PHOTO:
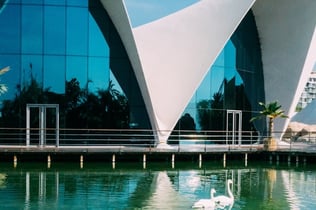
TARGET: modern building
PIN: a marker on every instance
(165, 66)
(309, 92)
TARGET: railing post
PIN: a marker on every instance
(28, 126)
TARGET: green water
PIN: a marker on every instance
(154, 185)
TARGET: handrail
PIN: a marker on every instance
(182, 139)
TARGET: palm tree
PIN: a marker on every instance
(3, 87)
(272, 111)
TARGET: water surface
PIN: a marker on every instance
(154, 185)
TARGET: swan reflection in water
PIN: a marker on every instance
(206, 203)
(217, 202)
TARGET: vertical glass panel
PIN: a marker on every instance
(32, 29)
(77, 68)
(217, 80)
(82, 3)
(10, 17)
(77, 31)
(116, 84)
(54, 30)
(98, 74)
(12, 77)
(97, 44)
(230, 61)
(14, 1)
(204, 90)
(55, 2)
(32, 1)
(31, 67)
(54, 73)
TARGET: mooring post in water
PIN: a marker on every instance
(15, 161)
(144, 161)
(289, 159)
(224, 159)
(172, 160)
(200, 160)
(277, 158)
(270, 158)
(48, 161)
(113, 158)
(246, 159)
(81, 161)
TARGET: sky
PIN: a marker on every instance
(145, 11)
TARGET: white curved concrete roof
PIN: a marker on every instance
(171, 55)
(286, 31)
(177, 51)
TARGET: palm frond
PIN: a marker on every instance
(4, 70)
(3, 88)
(271, 110)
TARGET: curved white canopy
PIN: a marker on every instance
(171, 55)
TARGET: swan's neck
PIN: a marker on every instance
(229, 191)
(212, 195)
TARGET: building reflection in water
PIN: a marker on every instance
(151, 188)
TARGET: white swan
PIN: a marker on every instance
(223, 201)
(206, 203)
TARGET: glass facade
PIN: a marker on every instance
(233, 83)
(68, 52)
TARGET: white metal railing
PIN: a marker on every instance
(182, 140)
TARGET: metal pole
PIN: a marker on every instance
(27, 125)
(41, 118)
(57, 126)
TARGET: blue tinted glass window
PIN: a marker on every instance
(10, 24)
(11, 78)
(32, 1)
(54, 73)
(77, 31)
(98, 73)
(77, 68)
(55, 2)
(97, 44)
(32, 66)
(32, 29)
(81, 3)
(230, 63)
(14, 1)
(54, 30)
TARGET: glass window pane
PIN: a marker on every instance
(32, 2)
(54, 30)
(10, 25)
(77, 68)
(54, 73)
(97, 44)
(31, 66)
(77, 31)
(12, 77)
(82, 3)
(98, 74)
(55, 2)
(32, 29)
(14, 1)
